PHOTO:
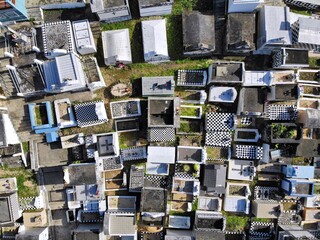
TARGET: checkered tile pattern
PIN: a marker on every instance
(246, 120)
(282, 112)
(112, 163)
(256, 227)
(125, 109)
(62, 27)
(86, 114)
(191, 78)
(218, 138)
(249, 152)
(263, 193)
(14, 204)
(134, 153)
(145, 235)
(219, 121)
(90, 146)
(156, 181)
(161, 134)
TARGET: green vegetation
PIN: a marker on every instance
(195, 204)
(128, 139)
(314, 62)
(188, 168)
(316, 189)
(283, 131)
(189, 127)
(180, 6)
(101, 128)
(265, 220)
(302, 12)
(196, 167)
(189, 111)
(26, 180)
(237, 223)
(25, 147)
(38, 115)
(289, 206)
(216, 153)
(312, 76)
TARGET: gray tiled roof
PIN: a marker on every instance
(198, 31)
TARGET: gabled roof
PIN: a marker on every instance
(215, 178)
(241, 31)
(116, 46)
(161, 154)
(65, 73)
(154, 35)
(77, 174)
(275, 25)
(153, 200)
(309, 31)
(198, 31)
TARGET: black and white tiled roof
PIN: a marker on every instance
(282, 112)
(191, 78)
(133, 153)
(263, 230)
(136, 179)
(144, 235)
(264, 192)
(246, 121)
(219, 121)
(112, 163)
(159, 134)
(218, 138)
(248, 152)
(125, 109)
(90, 146)
(86, 114)
(57, 35)
(156, 181)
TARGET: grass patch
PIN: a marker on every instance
(289, 206)
(265, 220)
(37, 115)
(26, 180)
(216, 153)
(237, 223)
(314, 62)
(101, 128)
(189, 111)
(299, 11)
(312, 76)
(189, 127)
(180, 6)
(128, 139)
(25, 147)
